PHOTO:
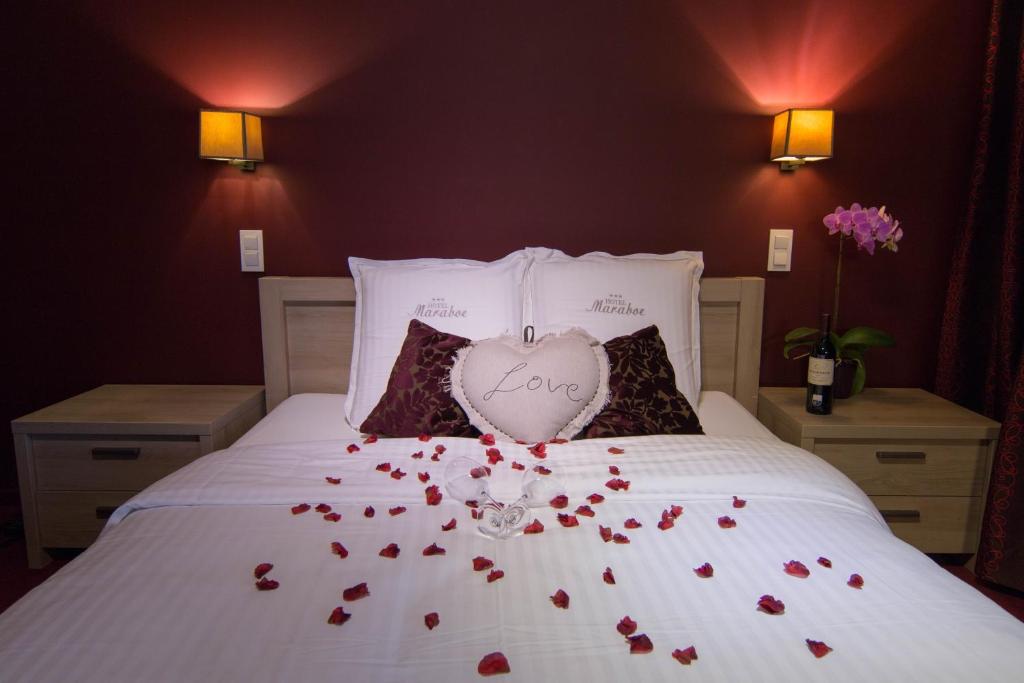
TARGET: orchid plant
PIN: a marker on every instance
(868, 228)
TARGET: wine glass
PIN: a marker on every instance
(539, 489)
(466, 480)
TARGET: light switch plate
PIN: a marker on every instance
(250, 243)
(780, 249)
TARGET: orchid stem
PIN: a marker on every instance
(839, 269)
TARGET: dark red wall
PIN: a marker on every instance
(459, 128)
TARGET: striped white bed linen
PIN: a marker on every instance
(166, 594)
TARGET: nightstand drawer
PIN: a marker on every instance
(74, 519)
(934, 525)
(931, 468)
(108, 463)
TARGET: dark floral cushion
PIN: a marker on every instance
(643, 398)
(417, 400)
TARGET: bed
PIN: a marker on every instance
(756, 579)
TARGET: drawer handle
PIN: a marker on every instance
(104, 511)
(114, 453)
(901, 515)
(892, 457)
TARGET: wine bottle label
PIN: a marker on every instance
(820, 371)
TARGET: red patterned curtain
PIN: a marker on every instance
(981, 348)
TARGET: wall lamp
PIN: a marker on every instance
(802, 135)
(232, 136)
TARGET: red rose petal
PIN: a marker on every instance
(608, 576)
(338, 549)
(797, 569)
(440, 449)
(738, 502)
(685, 656)
(676, 511)
(818, 648)
(323, 508)
(487, 439)
(493, 663)
(540, 469)
(433, 549)
(620, 538)
(539, 450)
(391, 550)
(338, 616)
(424, 437)
(369, 511)
(436, 457)
(534, 527)
(856, 581)
(418, 455)
(398, 473)
(332, 517)
(433, 495)
(494, 456)
(726, 522)
(617, 485)
(640, 645)
(632, 524)
(612, 469)
(372, 438)
(300, 508)
(261, 569)
(585, 511)
(559, 502)
(615, 450)
(666, 523)
(705, 571)
(558, 440)
(626, 626)
(494, 575)
(333, 480)
(356, 592)
(352, 448)
(431, 620)
(595, 498)
(825, 562)
(384, 467)
(397, 510)
(424, 477)
(480, 472)
(769, 605)
(476, 514)
(518, 466)
(561, 599)
(481, 563)
(449, 526)
(266, 584)
(567, 520)
(606, 533)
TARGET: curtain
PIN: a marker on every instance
(981, 345)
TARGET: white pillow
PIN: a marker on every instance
(473, 299)
(532, 392)
(610, 296)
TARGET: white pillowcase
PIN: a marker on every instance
(609, 296)
(473, 299)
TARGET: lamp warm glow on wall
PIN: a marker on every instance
(802, 135)
(232, 136)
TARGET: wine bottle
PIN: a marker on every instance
(821, 368)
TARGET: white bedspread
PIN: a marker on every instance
(167, 594)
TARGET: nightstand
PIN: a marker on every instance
(923, 460)
(81, 458)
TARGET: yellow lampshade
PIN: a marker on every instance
(801, 135)
(233, 136)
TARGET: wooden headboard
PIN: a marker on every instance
(308, 324)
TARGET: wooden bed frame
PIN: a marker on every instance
(308, 325)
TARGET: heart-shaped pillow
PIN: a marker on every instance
(532, 392)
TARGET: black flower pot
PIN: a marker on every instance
(842, 380)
